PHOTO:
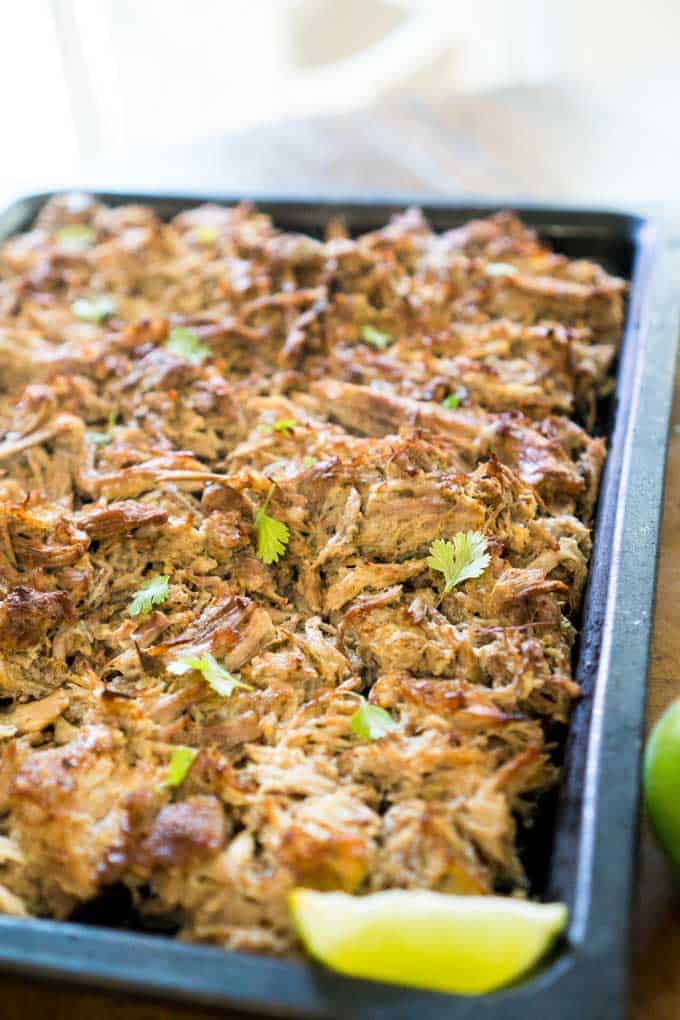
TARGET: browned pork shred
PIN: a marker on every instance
(122, 461)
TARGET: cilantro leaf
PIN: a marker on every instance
(150, 594)
(100, 438)
(272, 535)
(370, 722)
(206, 234)
(75, 237)
(104, 438)
(375, 337)
(94, 309)
(220, 679)
(461, 559)
(185, 342)
(284, 425)
(181, 760)
(500, 269)
(454, 399)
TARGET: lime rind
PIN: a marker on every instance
(466, 945)
(661, 781)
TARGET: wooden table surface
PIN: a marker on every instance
(547, 144)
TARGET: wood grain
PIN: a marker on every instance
(545, 144)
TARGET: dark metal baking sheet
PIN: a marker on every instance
(591, 860)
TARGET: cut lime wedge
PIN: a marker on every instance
(460, 944)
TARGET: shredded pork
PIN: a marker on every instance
(124, 459)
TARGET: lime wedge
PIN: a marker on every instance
(461, 944)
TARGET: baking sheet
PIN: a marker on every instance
(587, 859)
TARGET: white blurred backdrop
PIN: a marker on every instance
(84, 82)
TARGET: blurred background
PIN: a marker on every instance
(567, 101)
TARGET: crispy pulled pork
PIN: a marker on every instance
(372, 395)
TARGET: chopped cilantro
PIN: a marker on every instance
(272, 535)
(206, 234)
(370, 722)
(181, 760)
(220, 679)
(375, 337)
(461, 559)
(151, 594)
(75, 237)
(94, 309)
(185, 343)
(500, 269)
(454, 400)
(100, 438)
(284, 425)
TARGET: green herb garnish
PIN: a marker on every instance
(220, 679)
(181, 760)
(185, 342)
(375, 337)
(454, 400)
(310, 462)
(500, 269)
(75, 237)
(284, 425)
(104, 438)
(370, 722)
(151, 594)
(100, 438)
(206, 234)
(94, 309)
(272, 535)
(461, 559)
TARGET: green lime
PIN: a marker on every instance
(661, 781)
